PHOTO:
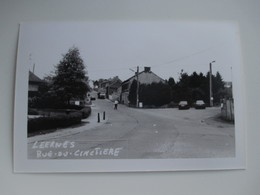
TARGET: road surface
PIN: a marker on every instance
(130, 133)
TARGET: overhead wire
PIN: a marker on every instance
(164, 63)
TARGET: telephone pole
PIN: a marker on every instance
(210, 84)
(137, 85)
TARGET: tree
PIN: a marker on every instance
(196, 86)
(217, 82)
(218, 87)
(70, 80)
(132, 93)
(194, 80)
(171, 82)
(183, 89)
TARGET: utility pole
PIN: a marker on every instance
(137, 88)
(231, 83)
(210, 84)
(137, 85)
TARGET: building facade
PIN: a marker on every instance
(144, 77)
(110, 88)
(34, 83)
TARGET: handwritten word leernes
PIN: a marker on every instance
(53, 144)
(72, 150)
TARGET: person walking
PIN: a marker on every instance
(115, 105)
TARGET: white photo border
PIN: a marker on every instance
(22, 164)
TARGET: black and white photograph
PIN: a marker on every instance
(128, 96)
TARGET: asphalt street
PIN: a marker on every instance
(130, 133)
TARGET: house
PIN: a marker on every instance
(113, 89)
(109, 87)
(34, 83)
(144, 77)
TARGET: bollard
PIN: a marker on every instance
(98, 118)
(104, 115)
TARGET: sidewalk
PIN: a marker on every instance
(87, 124)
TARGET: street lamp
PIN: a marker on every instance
(210, 84)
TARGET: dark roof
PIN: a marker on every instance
(112, 81)
(139, 74)
(116, 83)
(131, 77)
(34, 78)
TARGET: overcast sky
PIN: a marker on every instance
(113, 48)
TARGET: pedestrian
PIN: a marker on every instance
(115, 104)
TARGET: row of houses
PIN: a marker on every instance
(108, 88)
(114, 88)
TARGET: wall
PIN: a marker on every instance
(227, 110)
(238, 182)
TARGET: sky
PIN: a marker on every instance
(116, 48)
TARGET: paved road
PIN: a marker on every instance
(140, 133)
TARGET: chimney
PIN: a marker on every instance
(147, 69)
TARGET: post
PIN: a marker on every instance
(137, 88)
(104, 115)
(98, 116)
(210, 84)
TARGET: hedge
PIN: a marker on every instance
(37, 125)
(152, 95)
(85, 112)
(32, 111)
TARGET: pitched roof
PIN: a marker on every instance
(139, 74)
(116, 83)
(131, 77)
(112, 81)
(34, 78)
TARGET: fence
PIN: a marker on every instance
(227, 109)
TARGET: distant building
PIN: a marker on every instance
(34, 83)
(110, 87)
(113, 89)
(227, 84)
(144, 77)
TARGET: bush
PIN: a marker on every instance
(32, 111)
(46, 123)
(155, 94)
(172, 105)
(50, 100)
(85, 112)
(152, 95)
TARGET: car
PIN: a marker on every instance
(199, 104)
(183, 105)
(101, 95)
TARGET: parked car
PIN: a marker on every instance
(183, 105)
(200, 104)
(101, 95)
